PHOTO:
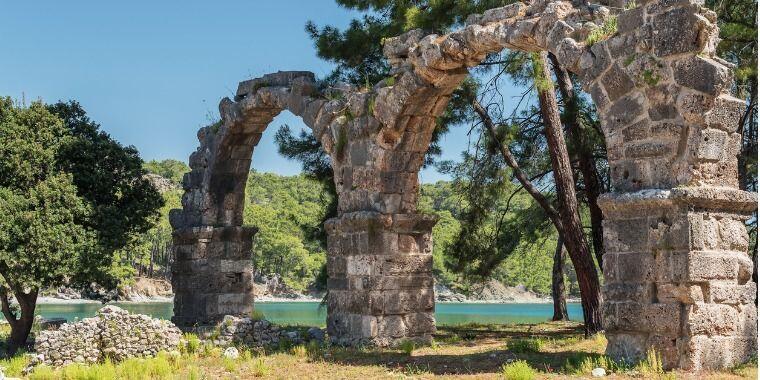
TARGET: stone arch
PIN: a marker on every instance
(677, 273)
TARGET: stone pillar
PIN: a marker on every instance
(212, 275)
(380, 289)
(678, 278)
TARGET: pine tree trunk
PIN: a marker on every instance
(575, 241)
(586, 163)
(558, 283)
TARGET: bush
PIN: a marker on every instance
(518, 370)
(299, 351)
(407, 346)
(13, 366)
(257, 315)
(520, 346)
(259, 368)
(192, 344)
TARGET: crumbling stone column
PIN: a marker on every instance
(677, 273)
(380, 282)
(212, 274)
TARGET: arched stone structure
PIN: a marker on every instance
(677, 273)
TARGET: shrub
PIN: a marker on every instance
(299, 351)
(407, 347)
(520, 346)
(259, 368)
(191, 345)
(518, 370)
(652, 365)
(603, 32)
(257, 315)
(13, 366)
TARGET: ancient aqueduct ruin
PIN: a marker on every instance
(677, 272)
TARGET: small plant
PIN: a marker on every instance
(652, 365)
(520, 346)
(299, 351)
(43, 373)
(257, 315)
(407, 347)
(215, 126)
(518, 370)
(229, 365)
(414, 369)
(191, 344)
(193, 374)
(259, 368)
(650, 77)
(13, 366)
(603, 32)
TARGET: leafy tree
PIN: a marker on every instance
(170, 169)
(111, 178)
(43, 237)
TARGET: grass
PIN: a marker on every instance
(12, 367)
(407, 347)
(603, 32)
(521, 345)
(257, 315)
(546, 351)
(518, 370)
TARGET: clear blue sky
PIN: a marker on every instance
(151, 72)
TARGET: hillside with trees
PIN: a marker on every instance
(289, 211)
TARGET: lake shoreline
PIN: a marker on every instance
(63, 301)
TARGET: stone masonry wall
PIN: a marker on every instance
(113, 333)
(669, 121)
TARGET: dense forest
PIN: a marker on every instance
(289, 209)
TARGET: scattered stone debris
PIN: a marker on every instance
(258, 333)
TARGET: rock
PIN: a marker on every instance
(598, 372)
(444, 294)
(316, 334)
(113, 333)
(231, 353)
(161, 184)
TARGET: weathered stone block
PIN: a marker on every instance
(616, 83)
(702, 74)
(677, 32)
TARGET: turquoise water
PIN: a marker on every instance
(309, 313)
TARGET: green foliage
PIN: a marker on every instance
(582, 364)
(603, 32)
(172, 170)
(518, 370)
(286, 210)
(191, 345)
(407, 347)
(41, 238)
(651, 366)
(541, 82)
(525, 345)
(299, 351)
(14, 366)
(257, 315)
(110, 177)
(259, 368)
